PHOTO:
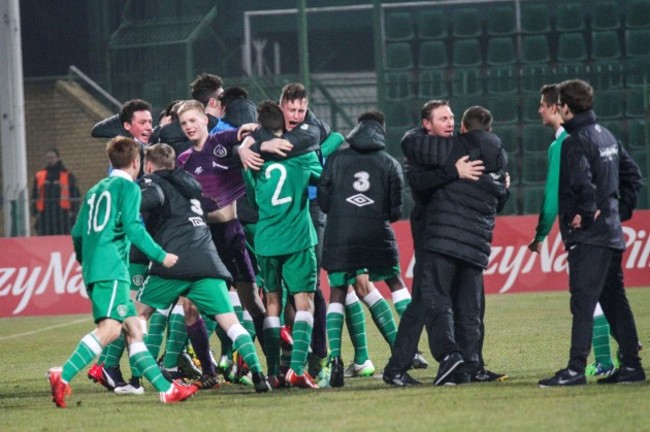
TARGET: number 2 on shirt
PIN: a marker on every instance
(276, 200)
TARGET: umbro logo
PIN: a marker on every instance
(359, 200)
(198, 170)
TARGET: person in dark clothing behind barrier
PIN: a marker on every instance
(460, 219)
(599, 185)
(55, 197)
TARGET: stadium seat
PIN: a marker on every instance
(636, 43)
(638, 135)
(534, 166)
(608, 105)
(607, 74)
(570, 70)
(636, 102)
(467, 81)
(504, 107)
(638, 72)
(571, 47)
(459, 103)
(399, 26)
(433, 54)
(432, 24)
(511, 207)
(466, 22)
(637, 14)
(535, 18)
(399, 84)
(536, 137)
(502, 79)
(514, 167)
(467, 52)
(534, 49)
(605, 45)
(501, 50)
(399, 56)
(640, 156)
(570, 17)
(534, 76)
(400, 115)
(509, 135)
(533, 197)
(606, 15)
(530, 110)
(432, 84)
(501, 21)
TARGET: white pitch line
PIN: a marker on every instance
(29, 333)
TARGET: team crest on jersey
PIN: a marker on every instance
(304, 126)
(220, 151)
(137, 280)
(121, 310)
(359, 200)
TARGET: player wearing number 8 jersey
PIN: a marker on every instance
(284, 244)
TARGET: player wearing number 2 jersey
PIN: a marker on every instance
(284, 244)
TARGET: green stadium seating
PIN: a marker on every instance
(511, 207)
(535, 18)
(571, 47)
(466, 52)
(637, 14)
(570, 70)
(607, 74)
(514, 167)
(534, 166)
(399, 84)
(504, 107)
(638, 135)
(533, 197)
(605, 45)
(432, 84)
(399, 26)
(399, 115)
(459, 103)
(570, 17)
(433, 54)
(501, 20)
(501, 50)
(535, 49)
(535, 75)
(536, 137)
(466, 22)
(432, 24)
(638, 72)
(636, 102)
(606, 15)
(530, 106)
(502, 79)
(637, 43)
(467, 81)
(608, 105)
(399, 56)
(509, 135)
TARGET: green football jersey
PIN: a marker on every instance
(279, 192)
(109, 220)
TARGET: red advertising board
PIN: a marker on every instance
(39, 275)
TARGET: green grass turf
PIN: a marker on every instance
(527, 337)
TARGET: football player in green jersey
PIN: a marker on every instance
(107, 224)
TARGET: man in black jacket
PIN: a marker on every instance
(360, 190)
(599, 184)
(172, 201)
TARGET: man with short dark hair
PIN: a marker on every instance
(599, 185)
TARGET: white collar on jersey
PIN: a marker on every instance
(119, 173)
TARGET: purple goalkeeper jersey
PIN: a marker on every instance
(216, 169)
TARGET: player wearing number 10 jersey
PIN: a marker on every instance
(284, 244)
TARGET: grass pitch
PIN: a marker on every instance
(527, 337)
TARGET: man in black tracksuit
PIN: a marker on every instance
(460, 216)
(599, 184)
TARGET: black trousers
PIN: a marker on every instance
(596, 275)
(319, 333)
(447, 296)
